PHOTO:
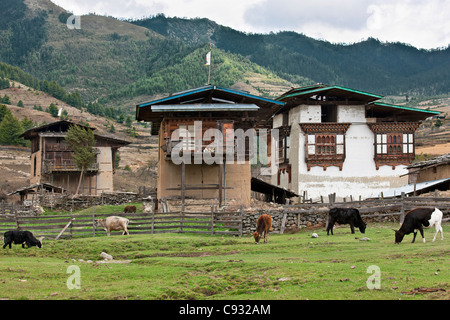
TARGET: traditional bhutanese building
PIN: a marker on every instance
(339, 140)
(52, 162)
(199, 134)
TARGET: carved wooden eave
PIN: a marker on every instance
(327, 127)
(384, 127)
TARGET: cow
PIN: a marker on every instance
(129, 209)
(418, 218)
(345, 216)
(263, 225)
(113, 223)
(21, 237)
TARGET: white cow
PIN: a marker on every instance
(113, 223)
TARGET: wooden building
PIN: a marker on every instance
(52, 162)
(340, 140)
(430, 170)
(198, 152)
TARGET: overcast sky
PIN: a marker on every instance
(421, 23)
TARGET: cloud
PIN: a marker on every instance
(422, 23)
(270, 15)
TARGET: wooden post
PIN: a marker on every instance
(220, 183)
(241, 224)
(212, 221)
(153, 221)
(181, 221)
(183, 172)
(64, 229)
(402, 208)
(93, 221)
(72, 219)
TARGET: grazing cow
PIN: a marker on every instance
(263, 225)
(113, 223)
(344, 216)
(130, 209)
(21, 237)
(418, 218)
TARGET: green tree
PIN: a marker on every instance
(3, 111)
(27, 124)
(20, 104)
(82, 141)
(10, 130)
(53, 110)
(5, 100)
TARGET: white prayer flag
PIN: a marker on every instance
(208, 59)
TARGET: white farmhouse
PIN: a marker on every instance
(339, 140)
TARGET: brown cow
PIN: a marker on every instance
(263, 225)
(113, 223)
(130, 209)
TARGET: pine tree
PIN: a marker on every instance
(10, 130)
(53, 110)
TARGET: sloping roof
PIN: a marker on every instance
(326, 90)
(443, 159)
(398, 113)
(209, 99)
(409, 189)
(63, 126)
(36, 187)
(261, 186)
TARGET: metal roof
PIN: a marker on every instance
(205, 107)
(409, 189)
(181, 96)
(310, 91)
(404, 108)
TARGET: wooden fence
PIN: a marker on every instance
(82, 225)
(213, 222)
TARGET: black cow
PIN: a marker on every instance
(418, 218)
(344, 216)
(21, 237)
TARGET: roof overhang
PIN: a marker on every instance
(398, 113)
(210, 107)
(325, 93)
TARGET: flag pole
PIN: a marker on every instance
(209, 63)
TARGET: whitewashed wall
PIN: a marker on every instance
(358, 177)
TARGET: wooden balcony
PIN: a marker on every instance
(205, 148)
(65, 166)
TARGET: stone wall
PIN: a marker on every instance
(294, 220)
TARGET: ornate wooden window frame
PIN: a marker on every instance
(393, 143)
(325, 144)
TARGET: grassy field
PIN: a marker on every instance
(182, 266)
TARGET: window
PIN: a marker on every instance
(329, 113)
(394, 143)
(325, 144)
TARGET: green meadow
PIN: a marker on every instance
(291, 266)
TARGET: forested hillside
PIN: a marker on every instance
(385, 68)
